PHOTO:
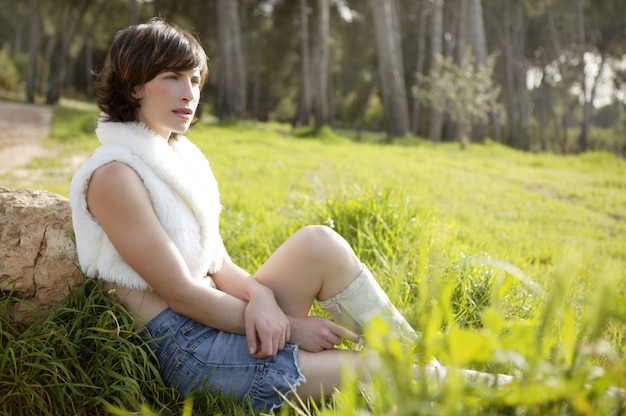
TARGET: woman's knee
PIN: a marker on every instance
(322, 241)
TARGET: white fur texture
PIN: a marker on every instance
(184, 195)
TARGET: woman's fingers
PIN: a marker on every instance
(267, 341)
(251, 337)
(344, 333)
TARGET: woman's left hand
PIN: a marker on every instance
(315, 334)
(267, 327)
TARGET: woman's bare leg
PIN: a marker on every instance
(317, 263)
(314, 263)
(323, 370)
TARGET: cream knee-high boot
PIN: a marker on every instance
(364, 299)
(361, 301)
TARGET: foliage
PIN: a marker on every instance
(9, 76)
(461, 90)
(531, 40)
(607, 115)
(504, 261)
(322, 133)
(608, 140)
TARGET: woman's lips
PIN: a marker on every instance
(185, 113)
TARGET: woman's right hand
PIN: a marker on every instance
(315, 334)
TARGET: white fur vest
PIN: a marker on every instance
(184, 195)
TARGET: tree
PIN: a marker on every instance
(521, 68)
(34, 39)
(134, 12)
(419, 66)
(604, 36)
(462, 89)
(231, 92)
(370, 52)
(479, 47)
(461, 120)
(588, 91)
(72, 16)
(390, 67)
(320, 62)
(304, 102)
(436, 50)
(354, 72)
(560, 59)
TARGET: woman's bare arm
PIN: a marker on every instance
(118, 199)
(120, 202)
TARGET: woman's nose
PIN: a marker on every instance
(188, 90)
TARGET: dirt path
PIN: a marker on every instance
(22, 128)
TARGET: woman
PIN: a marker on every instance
(145, 213)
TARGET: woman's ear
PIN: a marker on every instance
(137, 93)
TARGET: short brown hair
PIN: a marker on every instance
(137, 55)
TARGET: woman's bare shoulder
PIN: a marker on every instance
(113, 171)
(118, 183)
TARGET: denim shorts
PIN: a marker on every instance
(194, 358)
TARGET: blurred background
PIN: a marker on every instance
(537, 75)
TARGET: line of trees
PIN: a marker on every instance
(545, 75)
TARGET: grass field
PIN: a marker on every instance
(504, 261)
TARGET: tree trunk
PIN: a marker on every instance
(89, 64)
(330, 94)
(35, 35)
(361, 116)
(436, 117)
(256, 79)
(239, 64)
(58, 78)
(134, 12)
(390, 67)
(519, 44)
(231, 89)
(509, 69)
(19, 34)
(304, 107)
(462, 128)
(583, 138)
(588, 96)
(554, 35)
(320, 74)
(224, 77)
(44, 83)
(86, 46)
(584, 130)
(479, 46)
(419, 68)
(541, 112)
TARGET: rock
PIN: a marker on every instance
(38, 258)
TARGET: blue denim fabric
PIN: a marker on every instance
(195, 357)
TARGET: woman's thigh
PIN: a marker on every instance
(324, 370)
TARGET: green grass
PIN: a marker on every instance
(505, 261)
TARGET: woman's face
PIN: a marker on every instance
(168, 102)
